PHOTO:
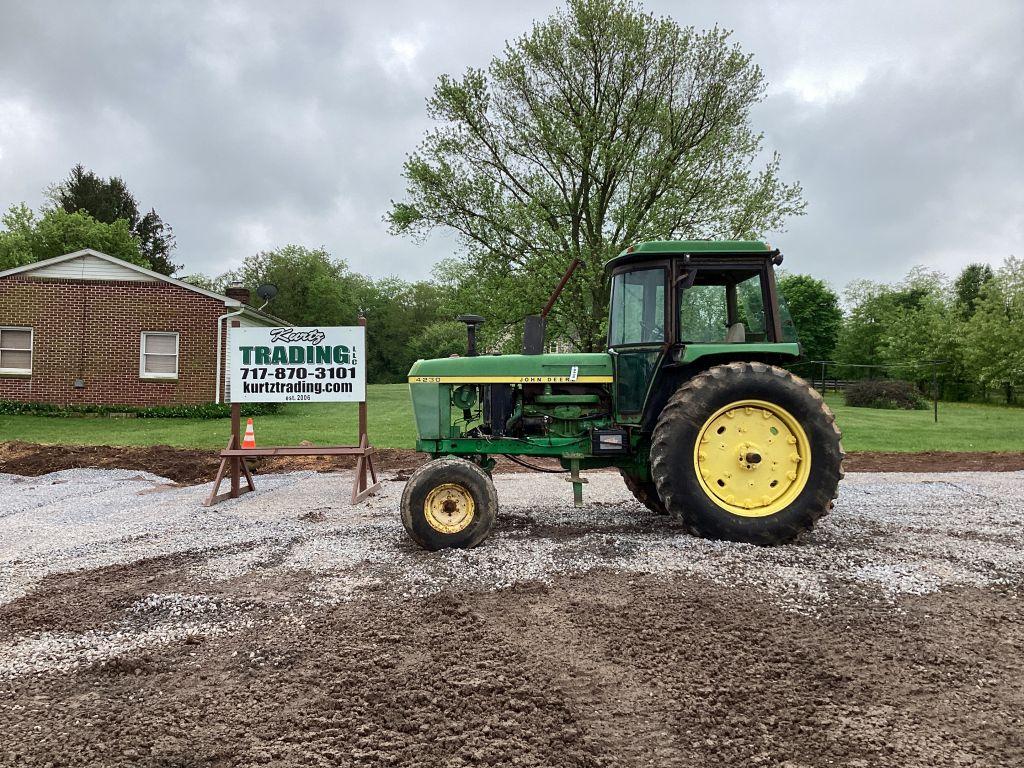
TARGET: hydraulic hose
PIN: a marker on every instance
(534, 467)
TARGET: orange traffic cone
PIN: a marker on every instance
(249, 441)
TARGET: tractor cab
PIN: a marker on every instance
(676, 302)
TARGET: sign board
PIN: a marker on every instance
(298, 365)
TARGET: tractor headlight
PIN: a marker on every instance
(609, 441)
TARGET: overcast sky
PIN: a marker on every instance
(252, 125)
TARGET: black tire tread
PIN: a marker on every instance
(644, 491)
(433, 473)
(680, 406)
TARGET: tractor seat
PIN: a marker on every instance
(737, 334)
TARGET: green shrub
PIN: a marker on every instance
(202, 411)
(891, 394)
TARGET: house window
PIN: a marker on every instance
(159, 358)
(15, 350)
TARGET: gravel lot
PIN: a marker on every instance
(289, 628)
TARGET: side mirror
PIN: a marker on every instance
(471, 321)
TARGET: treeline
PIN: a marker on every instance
(404, 319)
(972, 326)
(87, 211)
(962, 334)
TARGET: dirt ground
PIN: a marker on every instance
(602, 669)
(187, 466)
(286, 629)
(182, 465)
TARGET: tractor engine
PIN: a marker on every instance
(540, 405)
(544, 410)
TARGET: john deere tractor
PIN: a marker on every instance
(690, 403)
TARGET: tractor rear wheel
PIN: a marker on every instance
(747, 452)
(449, 503)
(645, 491)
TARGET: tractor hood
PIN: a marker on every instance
(582, 367)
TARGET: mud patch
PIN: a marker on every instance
(81, 601)
(318, 515)
(935, 461)
(598, 670)
(188, 466)
(182, 465)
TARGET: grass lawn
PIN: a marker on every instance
(961, 427)
(390, 426)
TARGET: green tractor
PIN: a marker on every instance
(689, 403)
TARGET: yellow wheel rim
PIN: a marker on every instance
(449, 508)
(752, 458)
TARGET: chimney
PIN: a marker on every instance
(237, 291)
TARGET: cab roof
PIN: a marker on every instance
(643, 251)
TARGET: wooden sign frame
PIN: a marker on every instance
(233, 457)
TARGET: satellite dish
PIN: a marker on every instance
(267, 292)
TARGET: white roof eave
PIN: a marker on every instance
(228, 302)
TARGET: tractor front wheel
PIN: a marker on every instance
(449, 503)
(747, 452)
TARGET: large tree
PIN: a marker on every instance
(992, 341)
(313, 287)
(109, 200)
(814, 307)
(602, 126)
(27, 237)
(316, 289)
(968, 286)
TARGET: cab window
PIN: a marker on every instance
(638, 307)
(786, 319)
(703, 314)
(722, 306)
(750, 308)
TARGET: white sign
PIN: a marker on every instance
(298, 365)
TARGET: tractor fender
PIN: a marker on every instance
(671, 375)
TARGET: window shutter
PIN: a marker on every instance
(160, 344)
(15, 338)
(161, 364)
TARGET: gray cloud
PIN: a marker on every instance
(253, 125)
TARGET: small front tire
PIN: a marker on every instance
(449, 503)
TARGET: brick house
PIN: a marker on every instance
(88, 328)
